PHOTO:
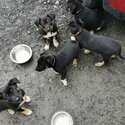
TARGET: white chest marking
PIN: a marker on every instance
(49, 34)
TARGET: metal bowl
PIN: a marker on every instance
(61, 118)
(21, 53)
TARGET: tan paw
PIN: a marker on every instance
(99, 28)
(27, 99)
(73, 38)
(75, 62)
(86, 51)
(92, 32)
(46, 47)
(99, 64)
(26, 111)
(11, 111)
(113, 56)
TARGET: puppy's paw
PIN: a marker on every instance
(99, 64)
(26, 111)
(11, 111)
(55, 43)
(73, 38)
(113, 56)
(92, 32)
(46, 47)
(75, 62)
(99, 28)
(27, 99)
(86, 51)
(64, 82)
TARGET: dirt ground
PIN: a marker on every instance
(95, 96)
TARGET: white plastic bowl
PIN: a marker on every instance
(61, 118)
(21, 53)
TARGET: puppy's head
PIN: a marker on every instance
(46, 23)
(11, 92)
(74, 5)
(44, 61)
(74, 27)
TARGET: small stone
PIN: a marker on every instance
(50, 80)
(37, 29)
(55, 6)
(29, 32)
(57, 2)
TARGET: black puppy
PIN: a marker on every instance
(105, 46)
(48, 29)
(12, 98)
(60, 61)
(86, 17)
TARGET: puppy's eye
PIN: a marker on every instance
(11, 90)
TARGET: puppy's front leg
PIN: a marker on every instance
(55, 42)
(63, 77)
(75, 62)
(46, 47)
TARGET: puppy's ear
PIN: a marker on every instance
(37, 22)
(49, 61)
(52, 16)
(13, 81)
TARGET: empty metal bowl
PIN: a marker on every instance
(61, 118)
(21, 53)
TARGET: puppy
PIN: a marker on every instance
(60, 61)
(12, 98)
(105, 46)
(90, 19)
(48, 29)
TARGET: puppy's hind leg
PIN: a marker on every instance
(113, 56)
(99, 64)
(63, 77)
(47, 46)
(104, 62)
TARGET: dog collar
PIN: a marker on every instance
(54, 60)
(78, 33)
(78, 11)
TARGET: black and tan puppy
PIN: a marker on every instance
(60, 61)
(89, 19)
(48, 29)
(12, 98)
(105, 46)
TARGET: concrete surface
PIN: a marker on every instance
(96, 95)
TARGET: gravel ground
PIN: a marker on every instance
(95, 96)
